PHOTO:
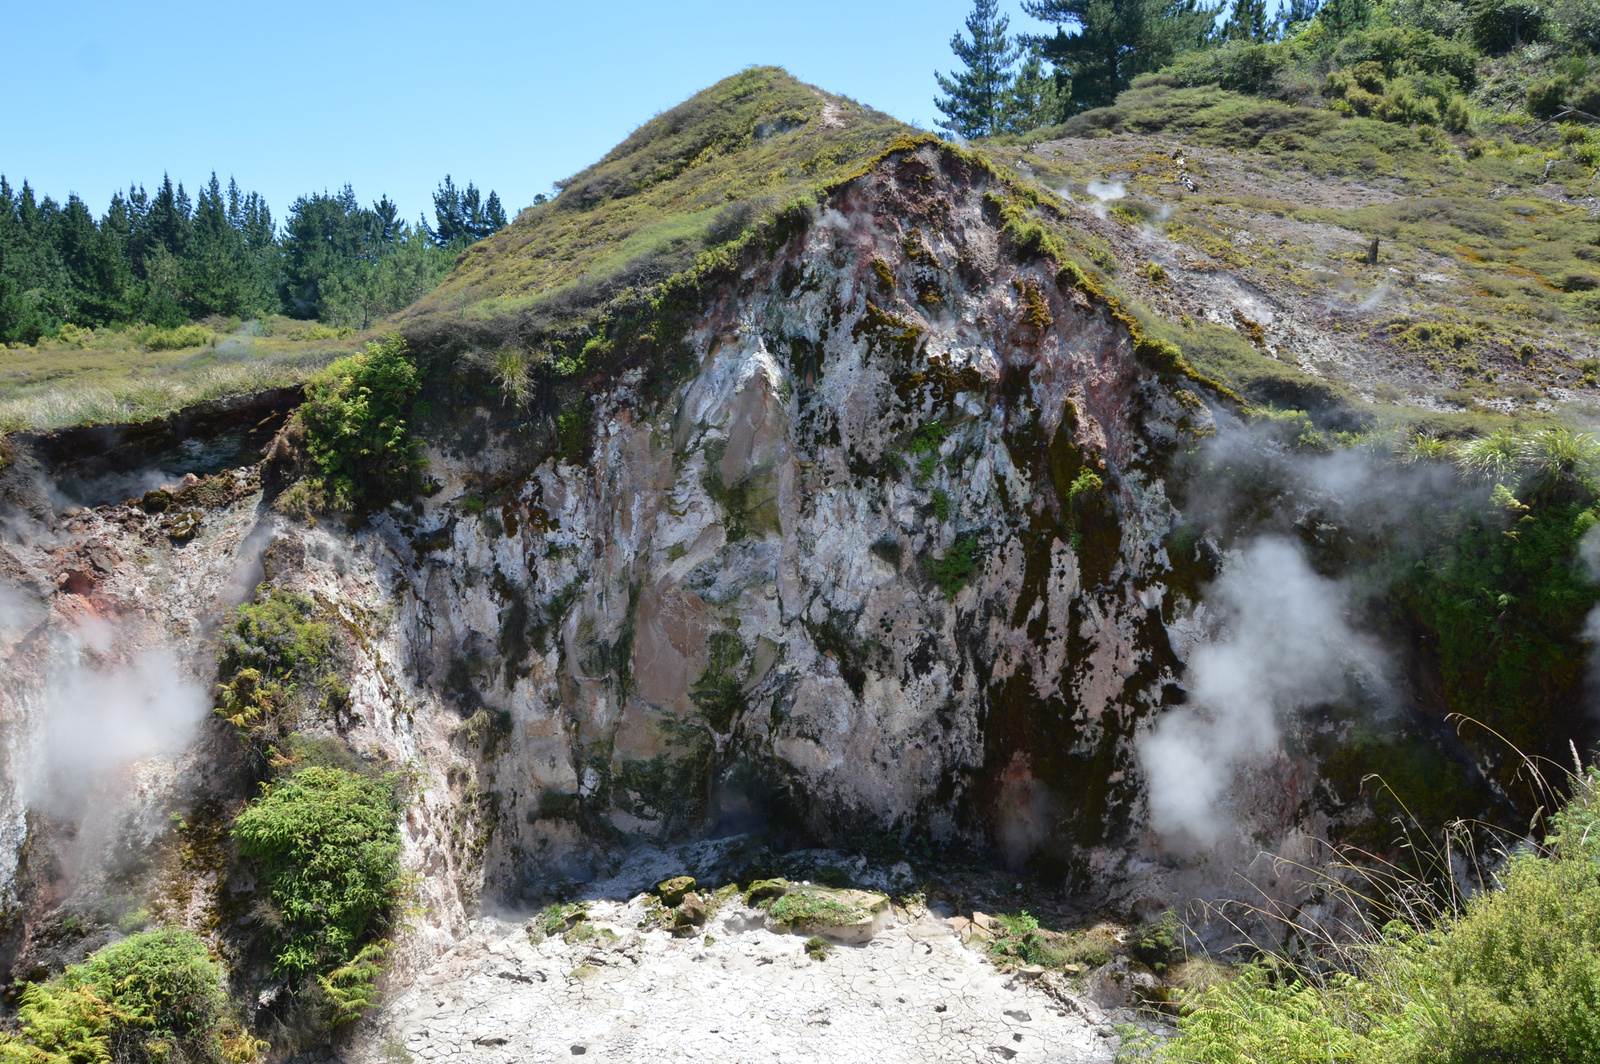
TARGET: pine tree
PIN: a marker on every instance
(101, 278)
(1036, 97)
(217, 275)
(494, 215)
(975, 97)
(463, 217)
(1343, 17)
(20, 320)
(1301, 11)
(450, 223)
(1248, 21)
(1116, 40)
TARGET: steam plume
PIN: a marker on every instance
(99, 717)
(1286, 645)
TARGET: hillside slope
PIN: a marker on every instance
(692, 178)
(1482, 292)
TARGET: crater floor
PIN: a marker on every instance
(736, 992)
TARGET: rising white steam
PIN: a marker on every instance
(99, 716)
(1286, 645)
(1106, 191)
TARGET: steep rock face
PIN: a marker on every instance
(118, 782)
(892, 554)
(891, 558)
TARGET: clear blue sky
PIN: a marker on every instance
(298, 96)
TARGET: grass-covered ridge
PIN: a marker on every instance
(692, 178)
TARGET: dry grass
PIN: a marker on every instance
(109, 376)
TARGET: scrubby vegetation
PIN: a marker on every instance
(277, 655)
(1511, 974)
(327, 842)
(150, 998)
(357, 422)
(1502, 597)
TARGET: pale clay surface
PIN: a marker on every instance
(751, 996)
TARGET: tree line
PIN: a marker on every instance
(1017, 84)
(163, 258)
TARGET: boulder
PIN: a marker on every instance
(690, 915)
(841, 915)
(671, 891)
(763, 889)
(1120, 983)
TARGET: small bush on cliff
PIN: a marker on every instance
(960, 561)
(329, 845)
(275, 645)
(357, 419)
(1500, 598)
(152, 997)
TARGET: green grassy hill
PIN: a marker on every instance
(692, 178)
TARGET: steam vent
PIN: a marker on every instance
(808, 591)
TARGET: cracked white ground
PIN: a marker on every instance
(912, 993)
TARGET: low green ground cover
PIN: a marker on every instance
(133, 373)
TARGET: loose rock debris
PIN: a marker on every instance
(740, 993)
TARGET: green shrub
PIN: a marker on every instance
(1237, 66)
(1524, 966)
(171, 989)
(329, 845)
(960, 561)
(277, 634)
(572, 430)
(1404, 106)
(927, 439)
(1444, 18)
(1546, 96)
(152, 997)
(1514, 977)
(1086, 487)
(274, 647)
(351, 989)
(1586, 98)
(61, 1024)
(357, 419)
(1410, 51)
(174, 339)
(1497, 26)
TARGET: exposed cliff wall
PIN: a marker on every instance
(888, 552)
(890, 559)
